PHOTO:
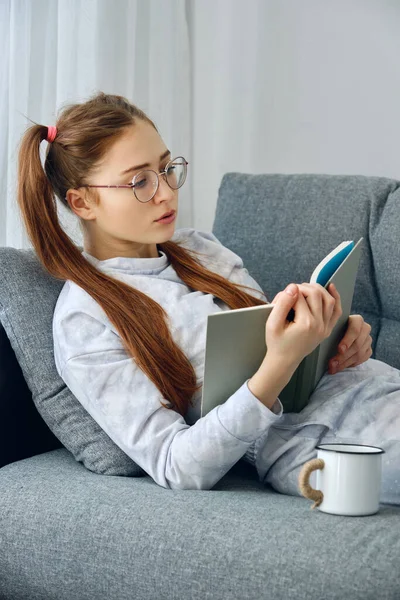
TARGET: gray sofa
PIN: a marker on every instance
(70, 533)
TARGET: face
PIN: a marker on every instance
(117, 224)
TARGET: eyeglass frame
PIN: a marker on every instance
(132, 184)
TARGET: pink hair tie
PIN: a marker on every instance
(51, 134)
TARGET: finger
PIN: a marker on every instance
(302, 309)
(329, 307)
(357, 359)
(352, 354)
(359, 346)
(355, 356)
(355, 348)
(357, 328)
(337, 310)
(344, 353)
(331, 303)
(353, 331)
(280, 312)
(312, 294)
(284, 302)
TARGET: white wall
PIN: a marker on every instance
(293, 86)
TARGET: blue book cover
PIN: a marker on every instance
(332, 262)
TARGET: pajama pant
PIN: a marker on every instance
(360, 405)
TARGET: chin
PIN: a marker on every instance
(168, 233)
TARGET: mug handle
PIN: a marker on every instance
(305, 488)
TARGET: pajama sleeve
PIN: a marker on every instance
(120, 397)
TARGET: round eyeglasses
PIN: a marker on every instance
(145, 184)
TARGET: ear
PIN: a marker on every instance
(78, 203)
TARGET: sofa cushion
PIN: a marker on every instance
(23, 432)
(28, 294)
(303, 218)
(93, 537)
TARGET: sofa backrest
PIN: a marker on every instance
(283, 225)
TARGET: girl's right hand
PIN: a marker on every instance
(316, 313)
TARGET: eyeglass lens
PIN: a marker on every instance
(146, 182)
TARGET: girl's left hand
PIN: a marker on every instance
(355, 347)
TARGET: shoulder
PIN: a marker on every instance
(206, 243)
(218, 258)
(196, 238)
(81, 327)
(76, 308)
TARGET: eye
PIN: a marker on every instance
(142, 181)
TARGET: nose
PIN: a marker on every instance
(164, 192)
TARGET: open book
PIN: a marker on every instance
(235, 339)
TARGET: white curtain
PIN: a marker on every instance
(260, 86)
(57, 52)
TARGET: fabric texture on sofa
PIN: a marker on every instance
(122, 537)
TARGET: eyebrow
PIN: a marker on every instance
(144, 165)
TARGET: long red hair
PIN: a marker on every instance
(84, 134)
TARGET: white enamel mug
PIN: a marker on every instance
(348, 479)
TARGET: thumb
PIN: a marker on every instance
(285, 301)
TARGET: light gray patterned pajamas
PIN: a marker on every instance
(358, 405)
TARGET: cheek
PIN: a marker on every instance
(122, 211)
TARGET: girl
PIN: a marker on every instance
(129, 323)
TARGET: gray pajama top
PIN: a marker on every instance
(177, 452)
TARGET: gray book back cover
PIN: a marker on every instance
(235, 348)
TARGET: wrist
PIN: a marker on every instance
(282, 367)
(270, 379)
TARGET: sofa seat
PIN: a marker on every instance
(67, 533)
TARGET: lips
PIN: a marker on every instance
(167, 214)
